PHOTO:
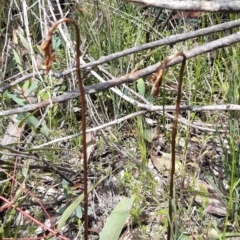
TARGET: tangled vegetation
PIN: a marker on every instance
(134, 189)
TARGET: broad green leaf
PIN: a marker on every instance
(44, 129)
(229, 235)
(26, 84)
(67, 190)
(126, 92)
(27, 118)
(24, 41)
(56, 42)
(11, 65)
(150, 98)
(44, 96)
(79, 212)
(141, 86)
(19, 101)
(29, 86)
(185, 237)
(117, 219)
(147, 135)
(69, 211)
(65, 183)
(33, 122)
(18, 61)
(33, 87)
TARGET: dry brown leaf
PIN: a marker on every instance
(91, 143)
(210, 197)
(163, 163)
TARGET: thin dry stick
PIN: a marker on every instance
(24, 213)
(157, 80)
(205, 6)
(223, 42)
(49, 58)
(11, 204)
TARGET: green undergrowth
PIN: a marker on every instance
(108, 27)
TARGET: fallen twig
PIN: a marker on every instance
(204, 6)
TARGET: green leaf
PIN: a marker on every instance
(24, 41)
(19, 101)
(33, 122)
(65, 183)
(69, 211)
(67, 190)
(44, 96)
(56, 42)
(44, 129)
(150, 98)
(72, 207)
(78, 212)
(147, 135)
(26, 85)
(33, 87)
(61, 210)
(11, 65)
(18, 61)
(126, 92)
(29, 86)
(185, 237)
(117, 219)
(27, 118)
(141, 86)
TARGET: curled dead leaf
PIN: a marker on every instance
(47, 48)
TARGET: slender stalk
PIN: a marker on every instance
(49, 58)
(157, 81)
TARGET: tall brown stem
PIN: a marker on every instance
(49, 58)
(157, 80)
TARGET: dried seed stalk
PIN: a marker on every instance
(49, 58)
(157, 81)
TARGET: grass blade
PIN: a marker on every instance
(73, 206)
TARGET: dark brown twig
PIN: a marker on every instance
(164, 24)
(154, 24)
(157, 80)
(46, 168)
(49, 58)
